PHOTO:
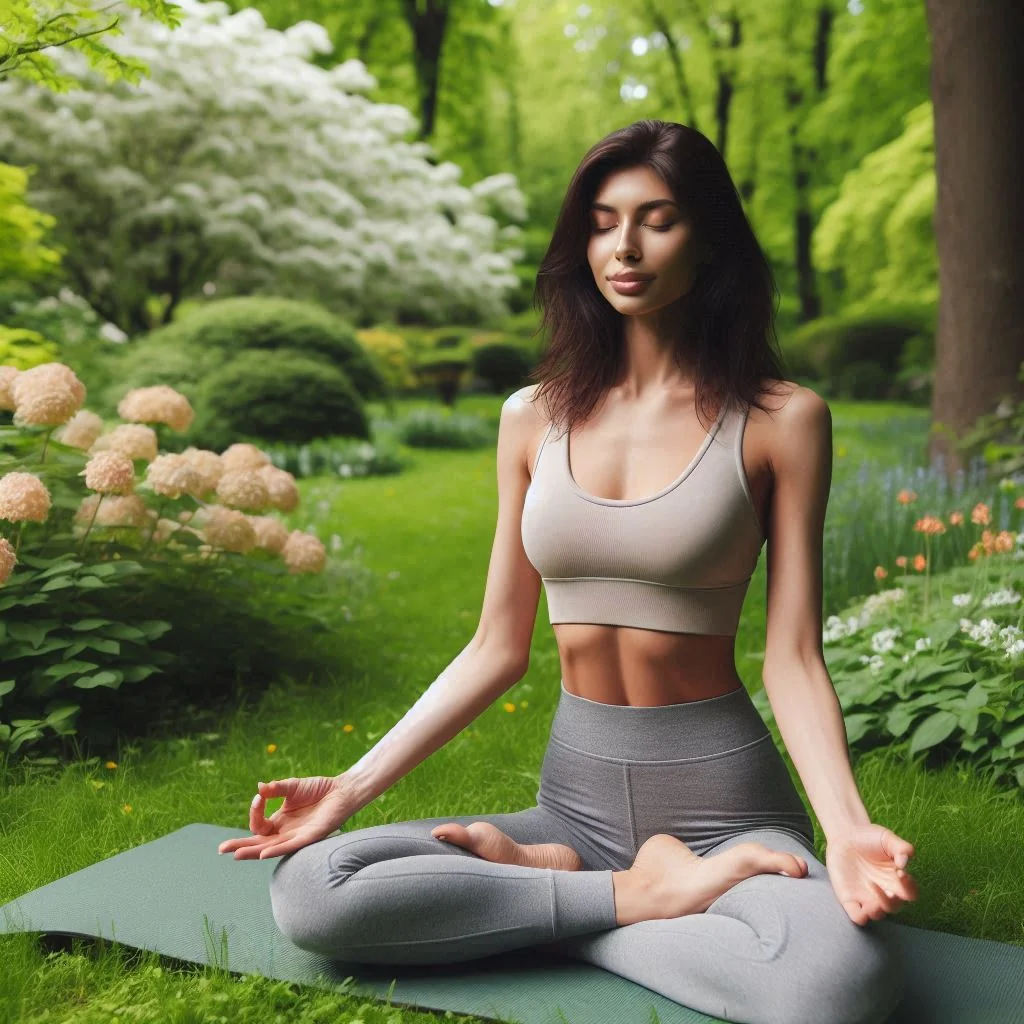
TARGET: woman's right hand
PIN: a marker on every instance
(313, 808)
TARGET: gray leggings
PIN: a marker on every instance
(770, 950)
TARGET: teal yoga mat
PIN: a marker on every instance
(176, 895)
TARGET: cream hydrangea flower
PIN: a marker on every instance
(113, 510)
(48, 403)
(228, 528)
(281, 487)
(109, 473)
(303, 552)
(131, 439)
(81, 430)
(173, 475)
(208, 464)
(157, 404)
(244, 456)
(8, 559)
(44, 377)
(23, 496)
(271, 533)
(243, 488)
(7, 378)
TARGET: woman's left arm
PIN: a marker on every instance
(796, 679)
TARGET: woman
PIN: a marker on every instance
(668, 843)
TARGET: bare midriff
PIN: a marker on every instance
(645, 667)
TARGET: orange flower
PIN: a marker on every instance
(1005, 541)
(901, 561)
(880, 572)
(920, 562)
(905, 497)
(988, 541)
(980, 514)
(956, 518)
(973, 553)
(930, 524)
(1019, 503)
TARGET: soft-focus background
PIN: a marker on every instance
(266, 278)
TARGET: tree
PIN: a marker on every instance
(241, 166)
(977, 79)
(32, 27)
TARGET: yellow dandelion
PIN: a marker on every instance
(111, 764)
(347, 728)
(509, 706)
(271, 747)
(127, 808)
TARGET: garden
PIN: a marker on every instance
(254, 345)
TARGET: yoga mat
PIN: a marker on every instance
(176, 895)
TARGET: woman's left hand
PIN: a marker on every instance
(867, 869)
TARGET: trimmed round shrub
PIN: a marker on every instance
(503, 366)
(287, 397)
(235, 325)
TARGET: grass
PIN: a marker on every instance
(427, 535)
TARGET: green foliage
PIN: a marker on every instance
(439, 428)
(503, 366)
(945, 682)
(393, 354)
(23, 229)
(338, 457)
(266, 323)
(1000, 436)
(290, 397)
(25, 349)
(31, 27)
(828, 349)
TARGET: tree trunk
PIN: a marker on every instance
(976, 82)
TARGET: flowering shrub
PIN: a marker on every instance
(195, 510)
(937, 666)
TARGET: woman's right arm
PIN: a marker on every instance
(499, 653)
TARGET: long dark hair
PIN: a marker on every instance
(731, 308)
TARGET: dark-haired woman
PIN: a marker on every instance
(638, 482)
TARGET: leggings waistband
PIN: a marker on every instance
(692, 729)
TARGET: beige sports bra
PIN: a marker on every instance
(680, 560)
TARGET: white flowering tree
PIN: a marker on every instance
(240, 166)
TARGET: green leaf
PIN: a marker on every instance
(1013, 737)
(34, 632)
(59, 714)
(99, 643)
(933, 730)
(82, 624)
(6, 685)
(68, 668)
(977, 696)
(107, 678)
(898, 720)
(858, 725)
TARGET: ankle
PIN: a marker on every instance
(634, 898)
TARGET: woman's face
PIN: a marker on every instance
(655, 240)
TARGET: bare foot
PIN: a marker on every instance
(679, 881)
(488, 841)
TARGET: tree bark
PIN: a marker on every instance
(977, 79)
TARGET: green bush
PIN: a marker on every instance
(439, 428)
(503, 366)
(824, 348)
(232, 326)
(24, 349)
(289, 398)
(863, 380)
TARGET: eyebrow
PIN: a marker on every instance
(650, 204)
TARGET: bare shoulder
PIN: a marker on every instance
(790, 406)
(531, 416)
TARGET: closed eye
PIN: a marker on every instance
(655, 227)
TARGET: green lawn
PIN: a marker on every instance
(427, 534)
